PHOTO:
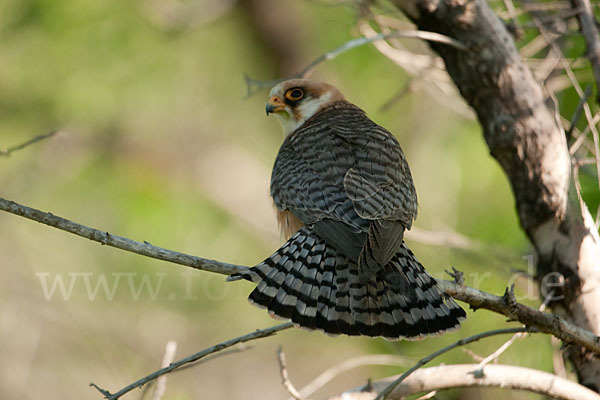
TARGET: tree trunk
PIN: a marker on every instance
(525, 138)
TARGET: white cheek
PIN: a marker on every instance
(288, 123)
(306, 110)
(310, 107)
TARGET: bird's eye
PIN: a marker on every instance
(294, 94)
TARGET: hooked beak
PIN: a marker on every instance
(274, 105)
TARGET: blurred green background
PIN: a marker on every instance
(158, 141)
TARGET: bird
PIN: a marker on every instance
(344, 196)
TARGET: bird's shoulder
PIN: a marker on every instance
(344, 125)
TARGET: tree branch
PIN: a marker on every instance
(592, 39)
(524, 137)
(346, 365)
(119, 242)
(161, 383)
(8, 151)
(285, 379)
(254, 85)
(459, 375)
(388, 390)
(505, 305)
(258, 334)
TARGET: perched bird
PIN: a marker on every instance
(344, 196)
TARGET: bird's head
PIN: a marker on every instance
(296, 100)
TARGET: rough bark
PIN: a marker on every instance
(524, 137)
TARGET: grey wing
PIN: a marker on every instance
(379, 183)
(308, 180)
(379, 188)
(348, 178)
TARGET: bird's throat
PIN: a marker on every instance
(288, 123)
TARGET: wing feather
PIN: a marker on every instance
(348, 177)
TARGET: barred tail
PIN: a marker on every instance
(307, 282)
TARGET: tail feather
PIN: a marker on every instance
(327, 315)
(364, 306)
(306, 308)
(346, 322)
(308, 282)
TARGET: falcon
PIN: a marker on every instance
(344, 196)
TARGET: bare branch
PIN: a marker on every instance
(346, 365)
(388, 390)
(521, 133)
(437, 82)
(459, 375)
(473, 355)
(105, 238)
(285, 379)
(581, 138)
(428, 396)
(592, 39)
(512, 13)
(499, 350)
(7, 152)
(496, 354)
(578, 110)
(258, 334)
(254, 85)
(505, 305)
(578, 89)
(161, 383)
(557, 359)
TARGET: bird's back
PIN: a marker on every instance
(346, 182)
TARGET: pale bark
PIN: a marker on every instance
(465, 375)
(523, 135)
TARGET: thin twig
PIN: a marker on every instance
(581, 138)
(428, 396)
(258, 334)
(408, 87)
(384, 393)
(547, 323)
(499, 351)
(473, 355)
(285, 379)
(496, 354)
(8, 151)
(558, 361)
(577, 183)
(238, 349)
(512, 13)
(590, 34)
(346, 365)
(108, 239)
(161, 382)
(437, 81)
(577, 113)
(254, 85)
(580, 93)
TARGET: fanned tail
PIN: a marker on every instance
(308, 282)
